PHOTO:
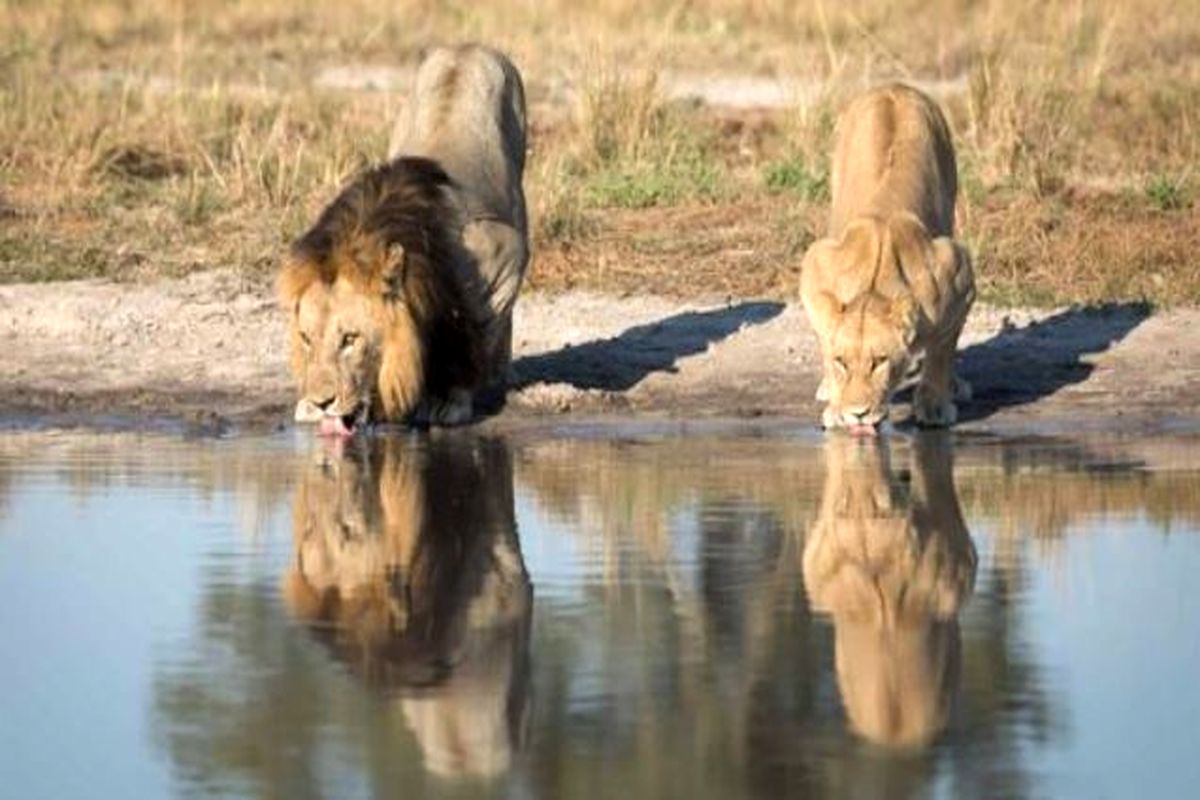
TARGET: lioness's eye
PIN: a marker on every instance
(348, 340)
(879, 362)
(305, 340)
(841, 365)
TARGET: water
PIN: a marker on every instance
(599, 613)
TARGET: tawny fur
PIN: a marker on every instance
(892, 568)
(889, 284)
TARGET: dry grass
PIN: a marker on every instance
(142, 139)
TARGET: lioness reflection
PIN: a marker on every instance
(892, 562)
(407, 566)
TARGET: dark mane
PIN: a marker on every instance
(402, 202)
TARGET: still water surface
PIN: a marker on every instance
(599, 614)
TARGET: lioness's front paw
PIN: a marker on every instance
(932, 412)
(829, 418)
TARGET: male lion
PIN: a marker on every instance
(892, 564)
(401, 295)
(889, 290)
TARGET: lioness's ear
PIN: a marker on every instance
(816, 280)
(905, 314)
(395, 269)
(953, 270)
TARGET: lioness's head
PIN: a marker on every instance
(377, 321)
(872, 294)
(869, 354)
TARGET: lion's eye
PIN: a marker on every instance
(348, 340)
(840, 364)
(878, 363)
(304, 340)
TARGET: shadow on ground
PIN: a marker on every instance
(1022, 365)
(621, 362)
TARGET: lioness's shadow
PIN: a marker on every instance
(1022, 365)
(618, 363)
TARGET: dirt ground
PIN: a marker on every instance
(208, 351)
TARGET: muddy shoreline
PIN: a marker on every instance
(205, 354)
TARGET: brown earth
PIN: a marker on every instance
(208, 350)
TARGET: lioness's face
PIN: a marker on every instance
(337, 348)
(868, 357)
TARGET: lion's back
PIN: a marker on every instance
(467, 112)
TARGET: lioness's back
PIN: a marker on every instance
(894, 154)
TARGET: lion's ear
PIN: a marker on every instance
(395, 270)
(297, 275)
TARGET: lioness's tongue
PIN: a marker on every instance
(862, 430)
(333, 426)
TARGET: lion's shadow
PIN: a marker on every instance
(1022, 365)
(621, 362)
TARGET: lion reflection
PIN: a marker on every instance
(892, 562)
(407, 567)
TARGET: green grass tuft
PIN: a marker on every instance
(795, 176)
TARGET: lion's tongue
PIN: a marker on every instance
(333, 426)
(862, 430)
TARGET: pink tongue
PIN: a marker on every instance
(861, 430)
(332, 426)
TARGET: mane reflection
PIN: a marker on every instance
(407, 567)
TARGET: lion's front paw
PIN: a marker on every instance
(962, 389)
(932, 412)
(457, 410)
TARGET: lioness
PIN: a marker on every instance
(889, 289)
(408, 568)
(401, 295)
(892, 567)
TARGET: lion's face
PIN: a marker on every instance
(341, 339)
(868, 355)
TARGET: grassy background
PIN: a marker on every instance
(141, 139)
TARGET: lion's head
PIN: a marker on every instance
(378, 324)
